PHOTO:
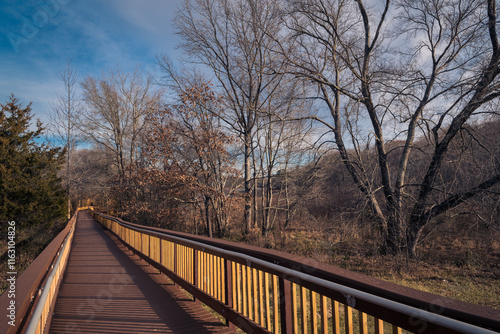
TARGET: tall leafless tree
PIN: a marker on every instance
(64, 121)
(401, 71)
(115, 115)
(278, 142)
(232, 38)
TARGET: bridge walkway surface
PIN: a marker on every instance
(109, 289)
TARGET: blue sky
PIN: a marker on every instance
(37, 37)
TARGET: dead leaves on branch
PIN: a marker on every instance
(185, 160)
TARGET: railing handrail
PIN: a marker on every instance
(29, 285)
(41, 304)
(449, 313)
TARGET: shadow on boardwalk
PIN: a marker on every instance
(107, 289)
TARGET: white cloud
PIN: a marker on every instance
(95, 36)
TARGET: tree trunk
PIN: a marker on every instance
(392, 242)
(413, 234)
(254, 196)
(394, 238)
(248, 185)
(267, 195)
(207, 216)
(68, 184)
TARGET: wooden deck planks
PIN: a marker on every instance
(107, 289)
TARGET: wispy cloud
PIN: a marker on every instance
(95, 35)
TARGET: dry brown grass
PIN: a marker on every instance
(457, 259)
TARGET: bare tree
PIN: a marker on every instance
(401, 72)
(232, 38)
(278, 143)
(115, 116)
(64, 121)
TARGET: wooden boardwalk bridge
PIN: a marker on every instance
(109, 289)
(110, 276)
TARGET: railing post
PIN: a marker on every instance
(175, 259)
(228, 289)
(149, 246)
(285, 305)
(161, 250)
(195, 269)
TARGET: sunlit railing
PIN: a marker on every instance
(262, 293)
(48, 292)
(36, 288)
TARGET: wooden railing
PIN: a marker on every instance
(37, 287)
(264, 291)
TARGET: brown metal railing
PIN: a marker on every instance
(36, 289)
(265, 291)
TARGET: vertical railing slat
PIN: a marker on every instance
(249, 291)
(233, 285)
(218, 278)
(212, 275)
(244, 289)
(363, 323)
(303, 308)
(348, 319)
(239, 288)
(184, 262)
(268, 299)
(237, 295)
(314, 312)
(294, 309)
(175, 259)
(261, 299)
(222, 286)
(276, 295)
(255, 301)
(285, 305)
(204, 272)
(149, 245)
(379, 326)
(195, 267)
(396, 330)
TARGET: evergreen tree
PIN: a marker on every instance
(30, 190)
